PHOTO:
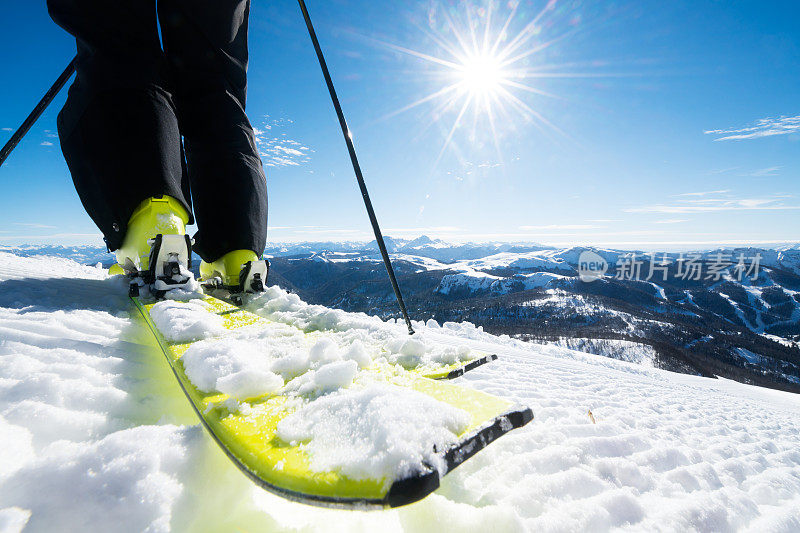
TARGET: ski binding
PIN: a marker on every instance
(170, 261)
(253, 276)
(252, 279)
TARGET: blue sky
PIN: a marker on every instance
(628, 123)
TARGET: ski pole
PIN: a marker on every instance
(37, 112)
(356, 167)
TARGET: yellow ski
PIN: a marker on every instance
(249, 437)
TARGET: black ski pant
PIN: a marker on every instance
(132, 103)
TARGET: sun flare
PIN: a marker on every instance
(487, 67)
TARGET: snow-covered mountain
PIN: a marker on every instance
(697, 311)
(97, 436)
(738, 324)
(86, 254)
(421, 246)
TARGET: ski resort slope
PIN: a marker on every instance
(97, 436)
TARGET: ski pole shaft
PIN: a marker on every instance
(356, 167)
(37, 112)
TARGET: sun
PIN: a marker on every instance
(482, 74)
(487, 67)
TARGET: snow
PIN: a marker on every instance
(335, 375)
(374, 432)
(185, 321)
(329, 377)
(474, 280)
(623, 350)
(234, 368)
(471, 280)
(750, 357)
(547, 259)
(358, 353)
(127, 478)
(543, 259)
(97, 435)
(353, 331)
(323, 351)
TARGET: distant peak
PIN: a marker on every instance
(420, 241)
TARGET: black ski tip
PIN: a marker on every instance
(521, 417)
(480, 439)
(458, 372)
(412, 489)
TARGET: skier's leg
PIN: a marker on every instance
(118, 129)
(205, 42)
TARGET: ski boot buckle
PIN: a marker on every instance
(168, 256)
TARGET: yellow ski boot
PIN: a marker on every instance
(237, 271)
(154, 216)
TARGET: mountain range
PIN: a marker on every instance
(728, 312)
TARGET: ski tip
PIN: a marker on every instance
(458, 372)
(415, 488)
(412, 489)
(520, 416)
(514, 418)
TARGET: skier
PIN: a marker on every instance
(132, 102)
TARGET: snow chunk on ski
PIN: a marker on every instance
(185, 321)
(379, 432)
(389, 337)
(234, 368)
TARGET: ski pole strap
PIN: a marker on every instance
(37, 112)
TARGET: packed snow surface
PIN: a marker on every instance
(97, 436)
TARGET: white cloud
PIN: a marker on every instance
(764, 172)
(672, 221)
(57, 237)
(306, 228)
(765, 127)
(723, 170)
(31, 225)
(46, 143)
(704, 193)
(329, 231)
(711, 205)
(558, 227)
(714, 201)
(423, 231)
(7, 129)
(278, 150)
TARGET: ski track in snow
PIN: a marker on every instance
(97, 436)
